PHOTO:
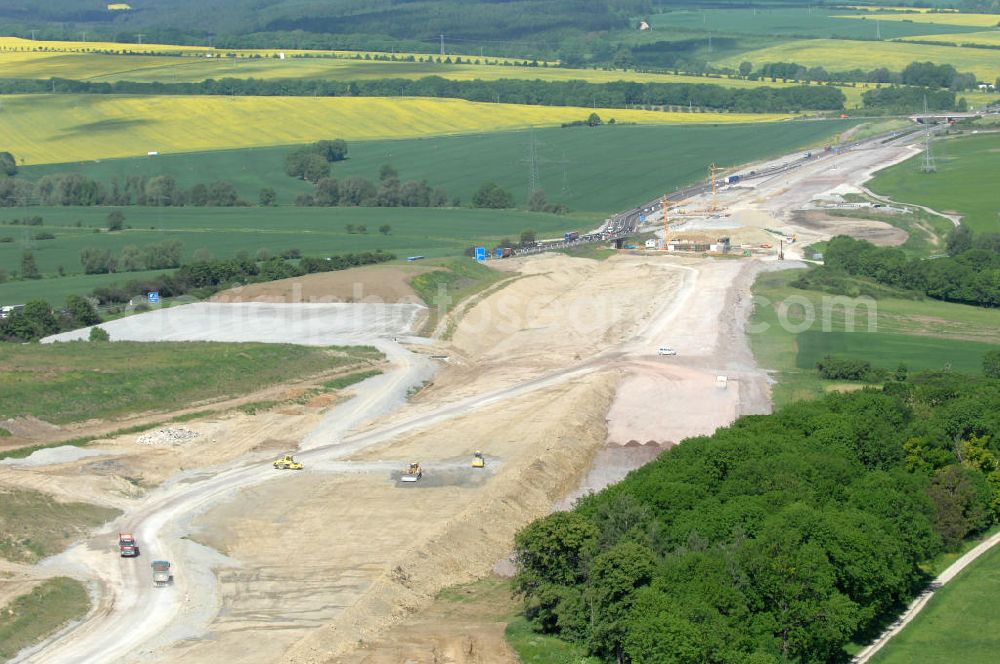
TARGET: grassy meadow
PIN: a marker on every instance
(224, 232)
(922, 334)
(836, 55)
(960, 185)
(954, 626)
(57, 128)
(591, 169)
(61, 384)
(32, 617)
(34, 526)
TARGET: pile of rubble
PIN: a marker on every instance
(169, 437)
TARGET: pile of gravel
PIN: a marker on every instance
(169, 437)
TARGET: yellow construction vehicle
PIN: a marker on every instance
(477, 460)
(412, 474)
(287, 462)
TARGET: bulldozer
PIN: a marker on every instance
(413, 473)
(477, 460)
(287, 462)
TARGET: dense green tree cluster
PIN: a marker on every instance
(360, 192)
(909, 100)
(618, 94)
(493, 196)
(776, 539)
(76, 189)
(534, 25)
(970, 275)
(37, 319)
(312, 162)
(919, 74)
(844, 368)
(158, 256)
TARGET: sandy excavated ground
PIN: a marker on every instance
(879, 233)
(353, 552)
(563, 311)
(371, 283)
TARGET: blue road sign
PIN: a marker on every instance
(153, 297)
(499, 252)
(480, 253)
(642, 217)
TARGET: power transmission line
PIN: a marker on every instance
(927, 166)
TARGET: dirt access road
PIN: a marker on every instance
(318, 566)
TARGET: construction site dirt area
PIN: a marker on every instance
(879, 233)
(359, 551)
(564, 377)
(371, 283)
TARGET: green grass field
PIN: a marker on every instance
(923, 334)
(430, 232)
(960, 185)
(591, 169)
(33, 525)
(32, 617)
(888, 350)
(956, 625)
(71, 382)
(794, 21)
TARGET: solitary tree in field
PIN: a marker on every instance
(385, 229)
(268, 197)
(593, 120)
(387, 172)
(8, 165)
(29, 268)
(116, 220)
(745, 68)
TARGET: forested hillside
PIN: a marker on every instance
(409, 19)
(779, 538)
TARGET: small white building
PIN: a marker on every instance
(644, 25)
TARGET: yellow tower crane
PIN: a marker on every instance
(713, 172)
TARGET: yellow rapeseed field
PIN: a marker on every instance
(182, 69)
(839, 55)
(942, 18)
(877, 8)
(63, 128)
(18, 44)
(987, 37)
